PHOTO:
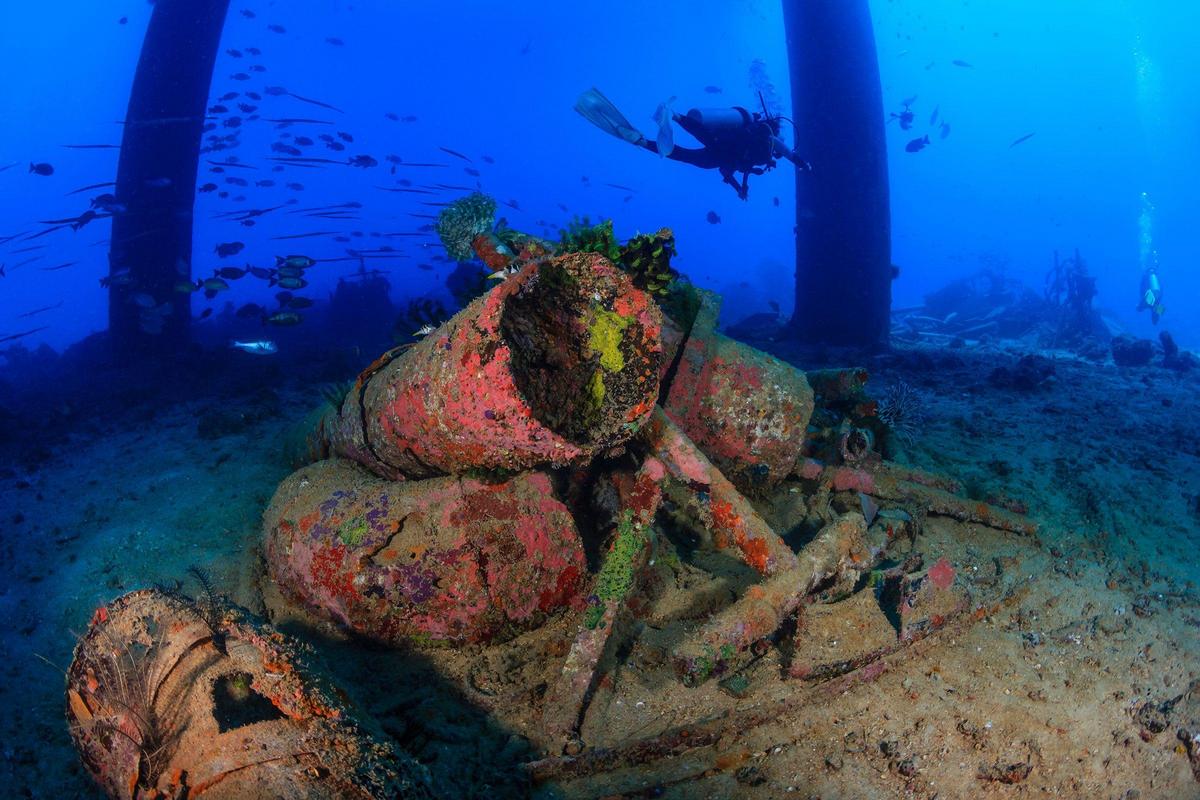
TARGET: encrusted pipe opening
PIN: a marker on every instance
(856, 445)
(582, 356)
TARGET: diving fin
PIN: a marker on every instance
(666, 137)
(600, 111)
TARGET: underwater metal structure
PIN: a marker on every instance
(843, 219)
(156, 177)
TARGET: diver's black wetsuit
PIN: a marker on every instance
(745, 143)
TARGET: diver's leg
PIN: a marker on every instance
(728, 177)
(703, 157)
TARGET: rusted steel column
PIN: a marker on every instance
(151, 248)
(452, 559)
(554, 366)
(843, 218)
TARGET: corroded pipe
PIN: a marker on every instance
(452, 559)
(170, 697)
(555, 365)
(746, 410)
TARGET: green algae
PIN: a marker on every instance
(606, 334)
(580, 236)
(617, 573)
(353, 532)
(595, 394)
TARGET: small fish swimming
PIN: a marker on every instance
(713, 89)
(92, 186)
(226, 249)
(917, 145)
(35, 311)
(454, 153)
(503, 273)
(1024, 138)
(231, 162)
(120, 277)
(283, 319)
(960, 63)
(424, 330)
(43, 169)
(713, 218)
(262, 347)
(297, 262)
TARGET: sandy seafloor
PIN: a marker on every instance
(1107, 459)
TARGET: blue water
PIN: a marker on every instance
(1059, 126)
(1108, 88)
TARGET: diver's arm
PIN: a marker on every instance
(781, 150)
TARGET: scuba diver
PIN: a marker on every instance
(734, 139)
(1152, 294)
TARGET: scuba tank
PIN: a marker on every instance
(712, 125)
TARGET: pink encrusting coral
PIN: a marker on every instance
(446, 558)
(553, 366)
(746, 410)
